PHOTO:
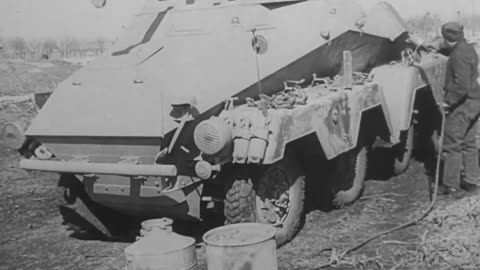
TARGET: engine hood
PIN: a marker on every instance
(108, 102)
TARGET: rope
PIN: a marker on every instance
(404, 225)
(283, 100)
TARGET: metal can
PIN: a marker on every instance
(241, 246)
(158, 248)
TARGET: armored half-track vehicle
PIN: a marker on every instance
(237, 105)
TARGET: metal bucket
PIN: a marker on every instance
(158, 248)
(241, 246)
(12, 134)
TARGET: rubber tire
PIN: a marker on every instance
(403, 151)
(81, 214)
(356, 161)
(241, 205)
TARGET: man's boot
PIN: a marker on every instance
(469, 187)
(444, 189)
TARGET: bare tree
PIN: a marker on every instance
(3, 52)
(76, 48)
(65, 46)
(49, 46)
(100, 41)
(427, 26)
(34, 48)
(18, 46)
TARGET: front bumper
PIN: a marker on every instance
(79, 167)
(139, 190)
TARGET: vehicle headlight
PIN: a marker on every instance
(212, 135)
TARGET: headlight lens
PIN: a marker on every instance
(212, 135)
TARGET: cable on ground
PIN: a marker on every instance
(404, 225)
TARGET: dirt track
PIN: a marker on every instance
(32, 236)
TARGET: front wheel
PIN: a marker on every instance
(351, 167)
(275, 198)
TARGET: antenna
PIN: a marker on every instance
(255, 46)
(472, 23)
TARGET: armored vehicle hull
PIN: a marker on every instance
(132, 128)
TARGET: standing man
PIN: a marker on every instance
(462, 104)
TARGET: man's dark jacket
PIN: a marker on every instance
(462, 73)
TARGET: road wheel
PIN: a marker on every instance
(82, 215)
(275, 198)
(403, 151)
(351, 167)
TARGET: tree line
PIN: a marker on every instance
(428, 26)
(49, 48)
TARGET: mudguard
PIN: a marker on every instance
(400, 83)
(334, 116)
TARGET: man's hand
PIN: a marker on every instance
(415, 40)
(436, 44)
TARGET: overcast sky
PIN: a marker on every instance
(39, 18)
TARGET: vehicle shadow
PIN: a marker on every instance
(130, 233)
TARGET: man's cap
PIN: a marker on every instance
(452, 31)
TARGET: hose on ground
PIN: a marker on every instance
(404, 225)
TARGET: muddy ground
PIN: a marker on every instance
(32, 235)
(20, 77)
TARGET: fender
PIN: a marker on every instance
(333, 115)
(401, 82)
